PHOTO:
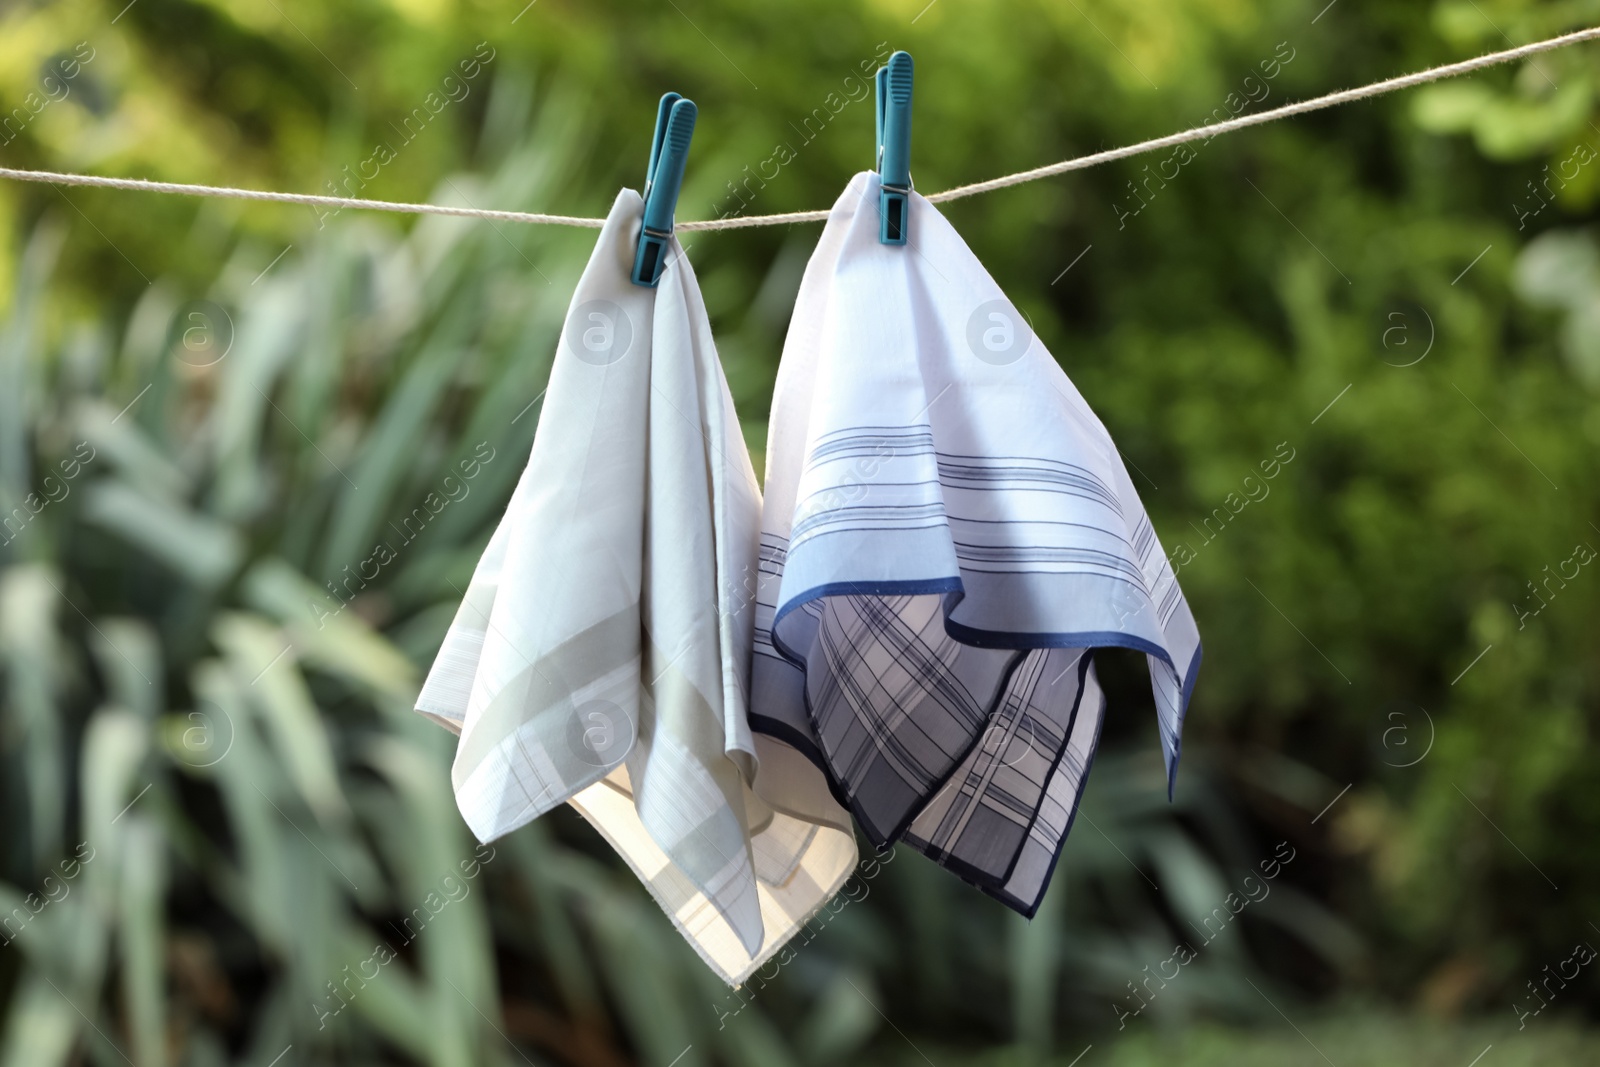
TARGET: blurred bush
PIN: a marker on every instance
(248, 457)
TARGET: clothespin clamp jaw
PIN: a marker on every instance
(894, 148)
(669, 150)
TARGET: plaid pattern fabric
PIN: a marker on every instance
(1000, 819)
(949, 532)
(975, 757)
(896, 704)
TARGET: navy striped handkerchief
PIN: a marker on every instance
(948, 534)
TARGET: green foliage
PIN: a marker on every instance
(253, 480)
(1370, 1038)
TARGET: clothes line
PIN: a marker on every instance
(1196, 133)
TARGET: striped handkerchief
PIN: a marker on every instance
(600, 656)
(949, 533)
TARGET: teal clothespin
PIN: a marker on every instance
(663, 180)
(894, 148)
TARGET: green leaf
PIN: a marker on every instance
(203, 550)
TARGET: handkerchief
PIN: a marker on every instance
(601, 653)
(948, 534)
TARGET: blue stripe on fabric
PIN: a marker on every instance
(1094, 748)
(999, 639)
(992, 885)
(912, 587)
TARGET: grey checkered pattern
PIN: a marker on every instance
(973, 756)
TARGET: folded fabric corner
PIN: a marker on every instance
(949, 533)
(600, 656)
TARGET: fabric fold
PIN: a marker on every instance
(948, 534)
(600, 656)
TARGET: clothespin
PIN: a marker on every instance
(663, 180)
(894, 148)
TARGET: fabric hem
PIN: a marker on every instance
(785, 734)
(734, 981)
(994, 886)
(1049, 874)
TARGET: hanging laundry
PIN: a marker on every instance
(948, 534)
(601, 654)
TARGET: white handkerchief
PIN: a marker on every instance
(601, 654)
(949, 532)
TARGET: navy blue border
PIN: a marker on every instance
(988, 715)
(869, 829)
(1022, 642)
(764, 724)
(1049, 874)
(1088, 640)
(995, 886)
